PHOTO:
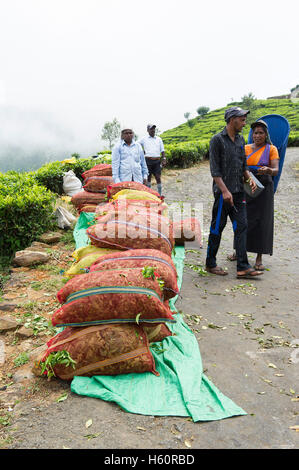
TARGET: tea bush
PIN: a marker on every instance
(293, 139)
(26, 211)
(51, 174)
(186, 154)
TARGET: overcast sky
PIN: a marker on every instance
(68, 66)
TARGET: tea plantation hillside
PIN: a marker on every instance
(202, 128)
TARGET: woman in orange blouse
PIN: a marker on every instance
(262, 161)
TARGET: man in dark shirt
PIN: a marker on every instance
(229, 170)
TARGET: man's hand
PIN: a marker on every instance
(228, 197)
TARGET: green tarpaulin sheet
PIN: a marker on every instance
(181, 389)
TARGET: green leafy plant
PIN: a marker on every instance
(5, 419)
(137, 318)
(54, 358)
(39, 324)
(198, 269)
(149, 271)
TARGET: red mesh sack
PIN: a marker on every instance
(104, 208)
(88, 208)
(96, 184)
(145, 215)
(156, 333)
(110, 295)
(133, 229)
(187, 230)
(142, 253)
(102, 169)
(124, 204)
(83, 198)
(162, 265)
(116, 187)
(125, 235)
(101, 350)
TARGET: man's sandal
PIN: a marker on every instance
(249, 274)
(232, 257)
(216, 270)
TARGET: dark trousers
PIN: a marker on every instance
(153, 166)
(238, 217)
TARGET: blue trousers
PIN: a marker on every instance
(238, 217)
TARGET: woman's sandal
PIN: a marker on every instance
(232, 257)
(250, 273)
(259, 267)
(216, 270)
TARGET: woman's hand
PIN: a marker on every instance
(264, 170)
(252, 184)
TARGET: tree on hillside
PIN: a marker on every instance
(202, 110)
(249, 102)
(111, 131)
(190, 122)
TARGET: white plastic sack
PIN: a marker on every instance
(71, 184)
(64, 218)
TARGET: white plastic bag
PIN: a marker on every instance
(71, 184)
(64, 218)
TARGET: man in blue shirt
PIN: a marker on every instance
(128, 162)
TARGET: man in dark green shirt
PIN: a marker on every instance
(229, 170)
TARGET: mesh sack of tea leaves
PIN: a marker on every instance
(102, 169)
(96, 184)
(187, 230)
(136, 231)
(155, 206)
(110, 349)
(84, 258)
(111, 295)
(154, 263)
(116, 187)
(83, 198)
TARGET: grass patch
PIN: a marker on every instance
(21, 359)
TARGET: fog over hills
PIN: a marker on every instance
(28, 139)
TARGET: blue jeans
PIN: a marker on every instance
(238, 217)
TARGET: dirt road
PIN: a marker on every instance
(248, 337)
